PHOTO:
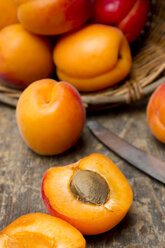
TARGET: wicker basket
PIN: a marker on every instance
(148, 64)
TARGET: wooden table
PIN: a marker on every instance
(21, 173)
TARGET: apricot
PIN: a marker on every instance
(156, 113)
(8, 10)
(40, 230)
(24, 57)
(93, 58)
(50, 116)
(52, 17)
(91, 194)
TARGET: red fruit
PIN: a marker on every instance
(111, 11)
(135, 21)
(129, 15)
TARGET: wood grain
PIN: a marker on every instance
(21, 173)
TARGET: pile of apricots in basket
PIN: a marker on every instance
(86, 45)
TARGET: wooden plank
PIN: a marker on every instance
(21, 172)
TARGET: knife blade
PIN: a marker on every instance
(136, 157)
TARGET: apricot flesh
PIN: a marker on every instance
(29, 240)
(156, 113)
(90, 61)
(40, 230)
(87, 217)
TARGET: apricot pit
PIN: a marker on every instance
(89, 187)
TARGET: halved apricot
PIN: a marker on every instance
(92, 194)
(40, 230)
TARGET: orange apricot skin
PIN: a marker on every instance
(53, 16)
(43, 230)
(87, 218)
(156, 113)
(50, 116)
(8, 10)
(24, 57)
(93, 57)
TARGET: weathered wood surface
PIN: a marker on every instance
(21, 173)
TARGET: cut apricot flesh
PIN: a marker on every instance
(40, 231)
(90, 218)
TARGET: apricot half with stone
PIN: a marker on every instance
(91, 194)
(40, 230)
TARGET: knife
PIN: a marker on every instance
(138, 158)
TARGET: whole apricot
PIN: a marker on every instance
(24, 57)
(8, 10)
(92, 194)
(50, 116)
(40, 230)
(156, 113)
(52, 17)
(93, 58)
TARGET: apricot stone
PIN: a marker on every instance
(88, 186)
